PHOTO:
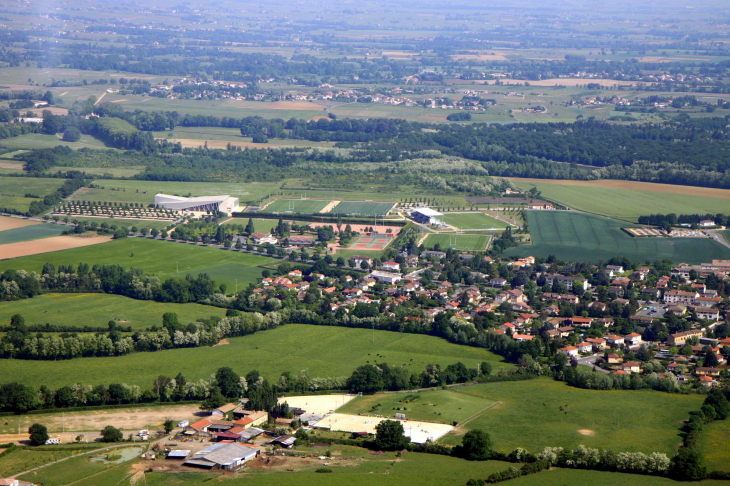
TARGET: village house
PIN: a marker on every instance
(498, 282)
(598, 343)
(569, 351)
(632, 339)
(614, 340)
(631, 367)
(584, 347)
(680, 297)
(566, 280)
(679, 338)
(613, 358)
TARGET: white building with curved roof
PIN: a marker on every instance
(224, 204)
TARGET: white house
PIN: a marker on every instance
(569, 351)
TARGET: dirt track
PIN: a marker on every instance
(55, 243)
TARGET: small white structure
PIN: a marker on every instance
(706, 223)
(224, 204)
(183, 424)
(55, 440)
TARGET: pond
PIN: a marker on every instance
(127, 454)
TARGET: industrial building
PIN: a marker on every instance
(224, 204)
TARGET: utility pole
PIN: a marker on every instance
(236, 286)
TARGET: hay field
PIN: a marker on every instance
(321, 350)
(47, 245)
(96, 310)
(627, 200)
(581, 237)
(9, 223)
(714, 439)
(295, 105)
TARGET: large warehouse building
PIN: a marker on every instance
(425, 216)
(224, 204)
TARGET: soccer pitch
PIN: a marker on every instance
(473, 221)
(365, 208)
(304, 206)
(458, 242)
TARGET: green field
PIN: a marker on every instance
(714, 440)
(365, 208)
(161, 258)
(564, 477)
(128, 171)
(444, 406)
(459, 242)
(627, 204)
(77, 469)
(323, 351)
(33, 232)
(472, 221)
(306, 206)
(160, 225)
(96, 310)
(14, 189)
(131, 191)
(24, 459)
(575, 236)
(39, 141)
(528, 415)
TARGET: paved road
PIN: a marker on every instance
(591, 361)
(719, 238)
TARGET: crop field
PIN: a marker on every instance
(14, 189)
(575, 236)
(139, 223)
(561, 477)
(378, 192)
(714, 439)
(74, 470)
(28, 233)
(132, 191)
(304, 206)
(323, 351)
(24, 459)
(445, 406)
(219, 137)
(161, 258)
(628, 200)
(365, 208)
(96, 310)
(459, 242)
(631, 421)
(128, 171)
(40, 140)
(472, 221)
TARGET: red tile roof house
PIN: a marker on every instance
(598, 343)
(198, 428)
(523, 337)
(581, 321)
(633, 338)
(614, 358)
(631, 367)
(570, 351)
(614, 340)
(394, 266)
(585, 347)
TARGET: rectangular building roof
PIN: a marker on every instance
(427, 212)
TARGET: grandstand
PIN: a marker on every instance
(224, 204)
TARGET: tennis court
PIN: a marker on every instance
(365, 208)
(304, 206)
(374, 241)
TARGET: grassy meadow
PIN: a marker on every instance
(132, 191)
(160, 258)
(14, 189)
(714, 440)
(460, 242)
(627, 200)
(528, 414)
(446, 406)
(472, 221)
(24, 459)
(96, 310)
(562, 477)
(34, 232)
(40, 141)
(323, 351)
(576, 236)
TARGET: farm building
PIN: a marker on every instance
(224, 204)
(223, 410)
(424, 215)
(223, 455)
(178, 454)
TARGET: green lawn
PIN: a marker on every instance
(444, 406)
(576, 236)
(364, 208)
(529, 416)
(714, 440)
(96, 310)
(564, 477)
(460, 242)
(131, 191)
(161, 258)
(472, 221)
(306, 206)
(14, 189)
(323, 351)
(33, 232)
(627, 204)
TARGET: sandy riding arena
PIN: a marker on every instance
(419, 432)
(56, 243)
(8, 223)
(317, 404)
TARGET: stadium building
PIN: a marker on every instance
(425, 216)
(224, 204)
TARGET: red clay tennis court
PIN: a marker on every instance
(377, 241)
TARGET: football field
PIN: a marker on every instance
(304, 206)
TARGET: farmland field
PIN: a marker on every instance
(460, 242)
(714, 439)
(576, 236)
(132, 190)
(445, 406)
(96, 310)
(33, 232)
(305, 206)
(472, 221)
(39, 141)
(561, 477)
(628, 200)
(365, 208)
(160, 225)
(24, 459)
(161, 258)
(632, 421)
(14, 189)
(323, 351)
